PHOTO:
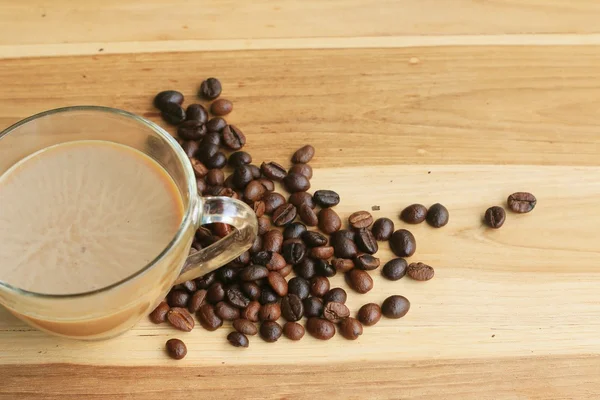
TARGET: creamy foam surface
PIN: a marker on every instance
(82, 215)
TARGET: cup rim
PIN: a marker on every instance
(188, 214)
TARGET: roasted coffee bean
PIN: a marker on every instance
(239, 158)
(197, 300)
(319, 286)
(256, 245)
(220, 229)
(267, 295)
(215, 293)
(344, 248)
(269, 312)
(303, 169)
(285, 271)
(306, 268)
(273, 170)
(253, 272)
(308, 215)
(395, 269)
(320, 328)
(173, 113)
(293, 330)
(245, 326)
(191, 130)
(256, 174)
(227, 274)
(366, 262)
(191, 148)
(437, 215)
(215, 177)
(342, 234)
(292, 308)
(176, 349)
(382, 229)
(264, 225)
(205, 281)
(226, 311)
(414, 214)
(216, 124)
(262, 257)
(359, 280)
(270, 331)
(313, 307)
(237, 298)
(166, 97)
(180, 319)
(251, 312)
(207, 151)
(272, 241)
(254, 191)
(323, 268)
(190, 286)
(420, 272)
(329, 221)
(201, 186)
(314, 239)
(350, 328)
(300, 198)
(294, 230)
(360, 219)
(337, 295)
(299, 287)
(365, 240)
(284, 214)
(326, 198)
(233, 137)
(242, 176)
(395, 307)
(335, 312)
(199, 168)
(369, 314)
(237, 339)
(210, 89)
(322, 252)
(267, 183)
(403, 243)
(159, 315)
(495, 217)
(211, 138)
(278, 283)
(293, 252)
(221, 107)
(342, 265)
(521, 202)
(259, 208)
(303, 155)
(296, 183)
(276, 263)
(272, 202)
(178, 298)
(251, 290)
(219, 160)
(242, 260)
(196, 112)
(208, 318)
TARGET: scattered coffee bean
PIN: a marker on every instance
(216, 124)
(210, 89)
(314, 239)
(303, 169)
(420, 272)
(176, 349)
(270, 331)
(211, 137)
(257, 244)
(335, 312)
(227, 274)
(369, 314)
(360, 219)
(394, 269)
(267, 295)
(303, 154)
(342, 234)
(293, 330)
(226, 311)
(306, 268)
(254, 191)
(292, 308)
(168, 96)
(272, 241)
(233, 137)
(173, 113)
(272, 201)
(320, 328)
(197, 300)
(329, 221)
(196, 112)
(251, 312)
(191, 148)
(207, 151)
(219, 160)
(300, 198)
(253, 273)
(293, 252)
(324, 268)
(521, 202)
(319, 286)
(495, 217)
(313, 307)
(190, 286)
(159, 315)
(278, 283)
(237, 298)
(239, 158)
(191, 130)
(351, 328)
(276, 263)
(360, 280)
(322, 252)
(343, 265)
(180, 319)
(251, 289)
(263, 225)
(178, 298)
(284, 214)
(414, 214)
(366, 262)
(308, 215)
(221, 107)
(207, 280)
(403, 243)
(259, 208)
(296, 183)
(299, 287)
(326, 198)
(245, 326)
(365, 240)
(344, 248)
(200, 169)
(337, 295)
(237, 339)
(215, 177)
(395, 307)
(273, 170)
(269, 312)
(437, 216)
(208, 318)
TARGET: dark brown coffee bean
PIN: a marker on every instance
(251, 312)
(226, 311)
(322, 252)
(191, 130)
(300, 198)
(221, 107)
(308, 215)
(285, 271)
(215, 293)
(296, 183)
(306, 268)
(437, 216)
(395, 269)
(196, 112)
(337, 295)
(365, 240)
(216, 124)
(403, 243)
(329, 221)
(264, 225)
(197, 300)
(253, 273)
(382, 229)
(227, 274)
(269, 312)
(215, 177)
(233, 137)
(191, 148)
(239, 158)
(495, 217)
(366, 262)
(199, 168)
(343, 265)
(267, 295)
(267, 183)
(173, 113)
(342, 234)
(201, 185)
(242, 260)
(237, 298)
(270, 331)
(178, 298)
(323, 268)
(208, 318)
(242, 176)
(360, 219)
(256, 245)
(314, 239)
(319, 286)
(303, 169)
(205, 281)
(176, 349)
(293, 252)
(414, 214)
(313, 307)
(272, 202)
(294, 230)
(254, 191)
(237, 339)
(245, 326)
(521, 202)
(211, 138)
(326, 198)
(420, 272)
(345, 248)
(351, 328)
(299, 287)
(251, 290)
(272, 241)
(284, 215)
(320, 328)
(335, 312)
(166, 97)
(262, 257)
(292, 308)
(210, 89)
(220, 229)
(159, 315)
(273, 170)
(359, 280)
(369, 314)
(207, 151)
(278, 283)
(180, 319)
(293, 330)
(303, 155)
(395, 307)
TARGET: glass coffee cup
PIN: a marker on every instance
(111, 310)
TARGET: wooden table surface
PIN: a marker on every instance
(460, 102)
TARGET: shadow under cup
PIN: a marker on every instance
(112, 310)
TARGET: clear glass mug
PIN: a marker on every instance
(112, 310)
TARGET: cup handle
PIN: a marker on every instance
(229, 211)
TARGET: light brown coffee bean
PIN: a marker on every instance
(159, 315)
(181, 319)
(420, 272)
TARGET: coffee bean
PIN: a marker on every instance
(359, 280)
(360, 219)
(285, 271)
(296, 183)
(329, 221)
(251, 312)
(414, 214)
(272, 201)
(521, 202)
(294, 230)
(273, 170)
(319, 286)
(300, 198)
(293, 330)
(176, 349)
(159, 315)
(215, 177)
(337, 295)
(208, 318)
(366, 262)
(278, 283)
(313, 307)
(245, 326)
(219, 160)
(322, 252)
(253, 273)
(395, 307)
(267, 295)
(343, 265)
(320, 328)
(237, 298)
(221, 107)
(199, 168)
(437, 216)
(166, 97)
(242, 260)
(369, 314)
(302, 169)
(350, 328)
(204, 282)
(324, 268)
(256, 245)
(227, 274)
(226, 311)
(365, 240)
(254, 191)
(197, 300)
(299, 287)
(394, 269)
(239, 158)
(210, 89)
(216, 124)
(178, 298)
(180, 319)
(326, 198)
(211, 138)
(220, 229)
(345, 248)
(308, 215)
(196, 112)
(242, 176)
(342, 234)
(314, 239)
(306, 268)
(335, 312)
(262, 257)
(269, 312)
(237, 339)
(270, 331)
(293, 252)
(284, 215)
(259, 208)
(251, 290)
(303, 155)
(233, 137)
(495, 217)
(264, 225)
(267, 183)
(292, 308)
(173, 113)
(191, 148)
(201, 186)
(403, 243)
(207, 151)
(191, 130)
(273, 240)
(420, 272)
